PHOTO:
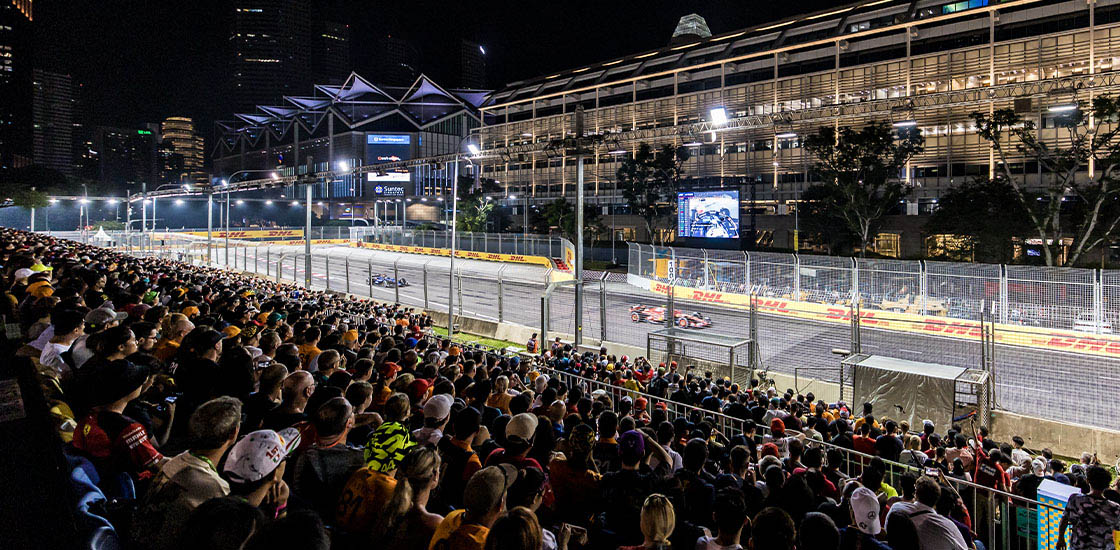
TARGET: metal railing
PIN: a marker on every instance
(497, 243)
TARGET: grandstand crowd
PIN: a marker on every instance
(203, 408)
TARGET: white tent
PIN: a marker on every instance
(102, 235)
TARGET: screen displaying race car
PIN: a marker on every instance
(708, 214)
(656, 314)
(379, 279)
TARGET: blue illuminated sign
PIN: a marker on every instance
(388, 139)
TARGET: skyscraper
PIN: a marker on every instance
(281, 46)
(270, 41)
(53, 120)
(330, 59)
(397, 61)
(15, 83)
(179, 133)
(124, 158)
(472, 65)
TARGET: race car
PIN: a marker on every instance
(378, 279)
(656, 314)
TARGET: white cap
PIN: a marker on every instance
(258, 454)
(23, 273)
(865, 511)
(438, 406)
(523, 425)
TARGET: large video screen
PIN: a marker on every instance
(708, 214)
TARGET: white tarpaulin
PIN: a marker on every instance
(905, 390)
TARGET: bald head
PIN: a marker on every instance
(297, 388)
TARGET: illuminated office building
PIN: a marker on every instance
(932, 62)
(180, 134)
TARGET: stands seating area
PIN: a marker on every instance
(200, 408)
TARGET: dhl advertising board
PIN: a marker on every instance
(1033, 337)
(487, 256)
(252, 234)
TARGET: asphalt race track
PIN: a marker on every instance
(1053, 384)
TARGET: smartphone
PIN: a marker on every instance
(171, 399)
(933, 472)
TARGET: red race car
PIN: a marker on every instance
(656, 314)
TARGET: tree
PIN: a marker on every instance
(561, 215)
(862, 168)
(31, 186)
(986, 215)
(473, 215)
(1093, 214)
(822, 222)
(649, 181)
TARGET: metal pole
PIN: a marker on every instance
(396, 281)
(451, 271)
(327, 261)
(32, 219)
(307, 239)
(500, 316)
(369, 278)
(143, 212)
(346, 264)
(602, 308)
(579, 249)
(425, 281)
(209, 225)
(227, 228)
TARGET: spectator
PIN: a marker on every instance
(459, 458)
(935, 532)
(266, 398)
(1093, 517)
(173, 329)
(484, 501)
(574, 481)
(297, 389)
(864, 510)
(732, 524)
(437, 411)
(187, 480)
(406, 523)
(624, 491)
(818, 532)
(773, 529)
(657, 522)
(113, 441)
(369, 489)
(517, 529)
(319, 472)
(67, 326)
(298, 530)
(220, 524)
(255, 468)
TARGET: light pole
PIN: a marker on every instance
(226, 182)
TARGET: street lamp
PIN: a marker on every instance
(718, 115)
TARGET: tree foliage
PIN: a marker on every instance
(473, 214)
(648, 181)
(1070, 203)
(560, 215)
(860, 170)
(986, 215)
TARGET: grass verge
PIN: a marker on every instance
(480, 340)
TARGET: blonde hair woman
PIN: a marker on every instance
(517, 529)
(406, 523)
(913, 454)
(501, 397)
(657, 523)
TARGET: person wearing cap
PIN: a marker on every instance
(624, 491)
(255, 468)
(484, 500)
(460, 460)
(369, 489)
(437, 411)
(113, 441)
(187, 480)
(863, 507)
(97, 320)
(520, 433)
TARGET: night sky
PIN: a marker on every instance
(142, 60)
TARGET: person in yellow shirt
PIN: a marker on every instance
(484, 500)
(309, 350)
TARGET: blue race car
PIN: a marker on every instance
(379, 279)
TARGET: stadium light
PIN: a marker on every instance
(905, 124)
(719, 115)
(692, 144)
(111, 201)
(240, 202)
(83, 201)
(512, 197)
(473, 149)
(786, 135)
(275, 176)
(295, 203)
(268, 202)
(1063, 108)
(178, 202)
(54, 201)
(343, 166)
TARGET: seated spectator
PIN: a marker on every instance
(319, 472)
(297, 389)
(459, 458)
(773, 529)
(303, 530)
(255, 468)
(935, 532)
(369, 489)
(731, 522)
(437, 411)
(113, 441)
(517, 529)
(624, 491)
(224, 523)
(484, 500)
(865, 526)
(818, 532)
(657, 522)
(187, 480)
(406, 523)
(1093, 517)
(267, 397)
(574, 481)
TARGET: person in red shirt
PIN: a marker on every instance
(111, 440)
